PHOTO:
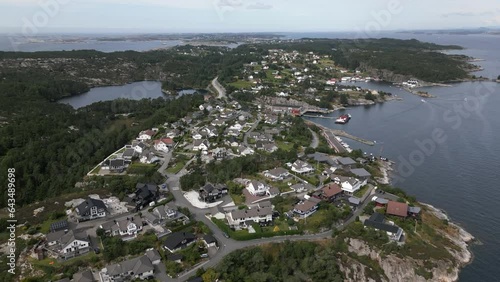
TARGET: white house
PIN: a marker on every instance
(257, 188)
(277, 174)
(146, 135)
(163, 144)
(238, 218)
(139, 147)
(126, 227)
(201, 145)
(306, 208)
(236, 126)
(245, 151)
(137, 268)
(301, 167)
(68, 244)
(351, 185)
(197, 136)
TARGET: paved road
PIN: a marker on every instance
(315, 141)
(220, 89)
(245, 138)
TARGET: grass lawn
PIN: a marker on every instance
(313, 222)
(361, 191)
(238, 199)
(287, 146)
(241, 84)
(176, 168)
(121, 150)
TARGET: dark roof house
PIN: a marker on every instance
(178, 240)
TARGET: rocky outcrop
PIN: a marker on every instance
(398, 268)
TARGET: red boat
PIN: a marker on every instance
(343, 119)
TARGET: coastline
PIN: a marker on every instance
(463, 239)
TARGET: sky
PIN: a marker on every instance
(173, 16)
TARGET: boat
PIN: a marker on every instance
(343, 119)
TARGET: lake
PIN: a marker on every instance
(133, 91)
(461, 175)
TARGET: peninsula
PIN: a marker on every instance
(230, 185)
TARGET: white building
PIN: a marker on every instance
(257, 188)
(302, 167)
(239, 218)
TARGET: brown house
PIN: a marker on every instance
(331, 191)
(397, 209)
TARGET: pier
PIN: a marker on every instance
(315, 116)
(330, 135)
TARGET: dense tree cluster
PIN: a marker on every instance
(290, 262)
(52, 146)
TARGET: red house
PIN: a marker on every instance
(397, 209)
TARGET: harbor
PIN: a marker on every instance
(335, 142)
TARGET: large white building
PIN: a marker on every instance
(257, 188)
(239, 218)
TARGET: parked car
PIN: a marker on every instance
(204, 256)
(225, 234)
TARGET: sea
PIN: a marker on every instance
(446, 149)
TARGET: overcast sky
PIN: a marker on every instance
(244, 15)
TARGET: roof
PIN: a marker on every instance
(174, 241)
(305, 206)
(209, 239)
(86, 205)
(208, 188)
(72, 236)
(175, 257)
(278, 171)
(361, 172)
(55, 236)
(153, 255)
(354, 200)
(116, 162)
(331, 190)
(414, 210)
(377, 217)
(265, 204)
(397, 208)
(137, 265)
(252, 212)
(321, 157)
(382, 201)
(381, 226)
(128, 153)
(346, 161)
(84, 276)
(60, 225)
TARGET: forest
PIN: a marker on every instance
(406, 57)
(52, 146)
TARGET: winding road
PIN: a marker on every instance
(220, 89)
(228, 245)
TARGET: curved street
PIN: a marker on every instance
(227, 245)
(220, 89)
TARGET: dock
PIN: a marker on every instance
(315, 116)
(330, 135)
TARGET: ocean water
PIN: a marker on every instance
(447, 149)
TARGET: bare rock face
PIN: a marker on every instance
(397, 268)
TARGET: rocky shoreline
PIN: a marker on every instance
(461, 238)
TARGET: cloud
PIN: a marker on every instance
(470, 14)
(259, 6)
(229, 3)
